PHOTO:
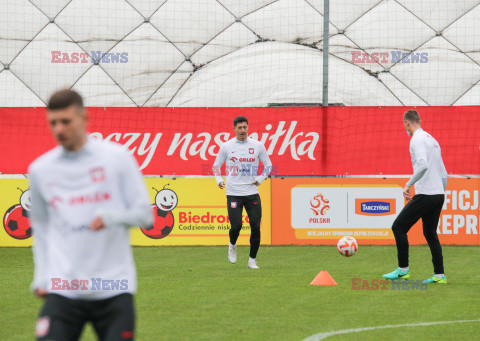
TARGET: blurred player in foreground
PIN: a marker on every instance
(85, 196)
(430, 179)
(241, 155)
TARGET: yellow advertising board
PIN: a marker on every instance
(199, 214)
(15, 229)
(188, 211)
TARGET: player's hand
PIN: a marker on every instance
(97, 224)
(255, 183)
(407, 194)
(221, 185)
(40, 292)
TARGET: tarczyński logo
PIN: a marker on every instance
(375, 207)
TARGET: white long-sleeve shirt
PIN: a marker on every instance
(242, 159)
(429, 173)
(70, 189)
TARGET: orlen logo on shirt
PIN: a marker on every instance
(89, 198)
(81, 199)
(375, 207)
(242, 159)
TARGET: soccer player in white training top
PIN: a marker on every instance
(430, 180)
(241, 155)
(85, 196)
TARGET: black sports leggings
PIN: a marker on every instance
(427, 207)
(253, 206)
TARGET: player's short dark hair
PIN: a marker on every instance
(239, 119)
(411, 116)
(63, 99)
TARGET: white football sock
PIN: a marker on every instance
(250, 259)
(404, 269)
(439, 275)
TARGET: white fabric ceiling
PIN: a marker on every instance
(240, 53)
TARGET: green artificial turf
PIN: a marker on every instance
(193, 293)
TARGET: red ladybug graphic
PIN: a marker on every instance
(15, 220)
(165, 201)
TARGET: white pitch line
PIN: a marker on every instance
(321, 336)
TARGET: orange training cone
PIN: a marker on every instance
(323, 278)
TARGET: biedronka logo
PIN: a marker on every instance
(319, 205)
(15, 219)
(165, 201)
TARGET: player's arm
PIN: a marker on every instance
(267, 165)
(39, 221)
(134, 193)
(421, 166)
(217, 165)
(444, 176)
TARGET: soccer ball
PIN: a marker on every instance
(347, 246)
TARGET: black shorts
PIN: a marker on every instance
(253, 206)
(62, 318)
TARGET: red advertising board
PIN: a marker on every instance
(299, 140)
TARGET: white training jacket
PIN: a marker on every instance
(70, 189)
(241, 158)
(429, 173)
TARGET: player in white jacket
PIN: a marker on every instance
(241, 156)
(85, 196)
(430, 181)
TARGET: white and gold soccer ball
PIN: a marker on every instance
(347, 246)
